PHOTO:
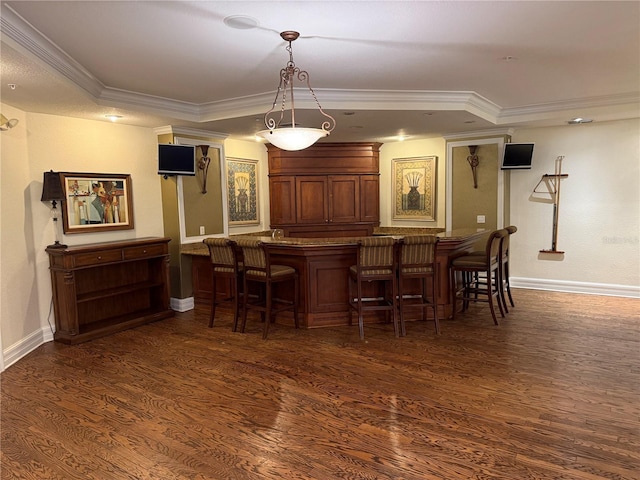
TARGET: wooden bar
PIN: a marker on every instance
(323, 265)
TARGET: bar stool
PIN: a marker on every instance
(259, 270)
(226, 267)
(511, 229)
(505, 285)
(375, 263)
(490, 265)
(417, 261)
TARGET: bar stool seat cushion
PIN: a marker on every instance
(365, 272)
(276, 271)
(470, 260)
(227, 269)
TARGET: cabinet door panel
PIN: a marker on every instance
(344, 198)
(311, 196)
(370, 198)
(282, 193)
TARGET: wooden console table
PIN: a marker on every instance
(103, 288)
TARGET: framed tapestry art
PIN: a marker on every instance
(96, 202)
(242, 191)
(414, 185)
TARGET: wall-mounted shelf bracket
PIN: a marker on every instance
(552, 182)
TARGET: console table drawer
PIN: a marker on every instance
(143, 251)
(96, 258)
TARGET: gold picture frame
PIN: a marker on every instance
(242, 191)
(414, 188)
(96, 202)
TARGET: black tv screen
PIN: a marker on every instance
(176, 159)
(517, 156)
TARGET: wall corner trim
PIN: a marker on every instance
(182, 304)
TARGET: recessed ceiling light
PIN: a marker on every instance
(240, 22)
(579, 120)
(113, 118)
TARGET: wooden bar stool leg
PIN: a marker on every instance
(501, 290)
(401, 307)
(267, 313)
(507, 283)
(236, 305)
(213, 303)
(245, 299)
(360, 319)
(296, 293)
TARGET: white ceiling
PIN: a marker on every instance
(421, 68)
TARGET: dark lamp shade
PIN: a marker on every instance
(52, 187)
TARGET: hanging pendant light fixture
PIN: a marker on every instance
(282, 135)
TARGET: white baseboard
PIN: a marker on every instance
(586, 288)
(182, 304)
(25, 346)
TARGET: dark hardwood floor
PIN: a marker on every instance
(551, 393)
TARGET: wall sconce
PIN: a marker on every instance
(52, 191)
(203, 167)
(6, 124)
(474, 161)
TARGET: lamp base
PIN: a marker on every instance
(57, 244)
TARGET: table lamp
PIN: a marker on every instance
(52, 192)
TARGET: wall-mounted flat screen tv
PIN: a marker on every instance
(517, 156)
(176, 159)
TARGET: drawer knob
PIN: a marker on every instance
(99, 257)
(144, 251)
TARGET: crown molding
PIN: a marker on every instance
(26, 38)
(494, 132)
(619, 103)
(176, 130)
(114, 97)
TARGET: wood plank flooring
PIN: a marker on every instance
(551, 393)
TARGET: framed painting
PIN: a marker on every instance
(96, 202)
(242, 191)
(414, 188)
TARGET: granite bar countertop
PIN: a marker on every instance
(406, 231)
(199, 248)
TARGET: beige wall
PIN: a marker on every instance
(44, 142)
(186, 208)
(252, 151)
(410, 149)
(204, 208)
(469, 202)
(20, 276)
(599, 215)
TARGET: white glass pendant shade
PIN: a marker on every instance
(292, 138)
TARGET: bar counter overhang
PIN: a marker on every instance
(323, 265)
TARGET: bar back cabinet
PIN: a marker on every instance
(327, 190)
